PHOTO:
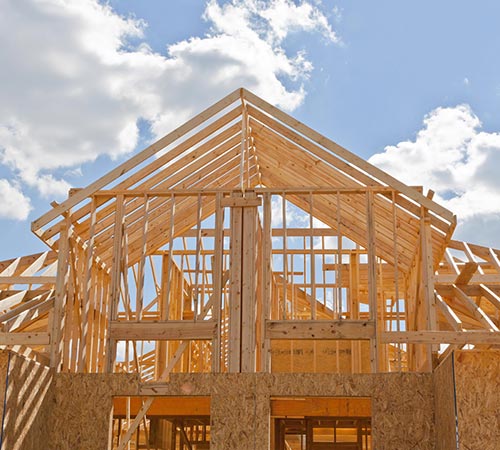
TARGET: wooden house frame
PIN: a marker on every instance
(245, 244)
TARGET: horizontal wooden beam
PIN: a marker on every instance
(321, 406)
(320, 329)
(276, 190)
(27, 280)
(164, 406)
(487, 278)
(162, 331)
(473, 290)
(24, 338)
(290, 232)
(240, 202)
(441, 337)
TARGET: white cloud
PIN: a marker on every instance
(453, 157)
(73, 88)
(273, 20)
(13, 204)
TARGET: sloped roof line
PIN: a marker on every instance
(178, 161)
(262, 109)
(348, 156)
(345, 175)
(136, 159)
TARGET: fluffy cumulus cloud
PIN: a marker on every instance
(453, 156)
(73, 86)
(15, 205)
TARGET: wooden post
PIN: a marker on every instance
(61, 295)
(87, 287)
(235, 289)
(312, 258)
(139, 302)
(114, 294)
(163, 347)
(428, 278)
(217, 282)
(243, 278)
(372, 278)
(354, 308)
(248, 287)
(266, 282)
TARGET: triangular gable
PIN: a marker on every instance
(242, 137)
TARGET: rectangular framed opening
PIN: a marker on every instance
(317, 423)
(170, 423)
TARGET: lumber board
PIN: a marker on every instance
(24, 338)
(320, 329)
(172, 330)
(478, 313)
(466, 274)
(158, 223)
(134, 208)
(441, 337)
(163, 407)
(321, 407)
(240, 202)
(27, 280)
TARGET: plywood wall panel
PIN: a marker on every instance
(82, 407)
(239, 415)
(402, 405)
(477, 380)
(444, 405)
(27, 395)
(403, 411)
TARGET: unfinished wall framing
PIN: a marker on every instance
(244, 243)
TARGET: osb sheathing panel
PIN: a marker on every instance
(477, 381)
(4, 361)
(27, 395)
(402, 404)
(80, 404)
(403, 412)
(82, 408)
(239, 414)
(444, 406)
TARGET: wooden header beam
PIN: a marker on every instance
(165, 406)
(320, 329)
(175, 330)
(320, 406)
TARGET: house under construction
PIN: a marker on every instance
(246, 283)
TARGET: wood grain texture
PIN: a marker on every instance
(444, 405)
(27, 393)
(477, 378)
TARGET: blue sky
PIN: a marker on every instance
(412, 86)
